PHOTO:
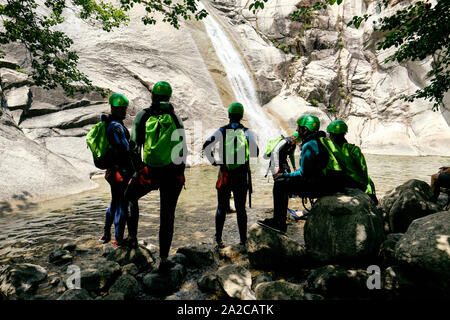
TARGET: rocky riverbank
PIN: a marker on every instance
(351, 250)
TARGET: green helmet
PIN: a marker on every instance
(118, 100)
(309, 121)
(236, 108)
(337, 127)
(162, 88)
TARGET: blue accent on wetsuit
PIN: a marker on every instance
(308, 160)
(117, 212)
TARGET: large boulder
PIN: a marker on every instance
(425, 249)
(344, 228)
(269, 249)
(407, 202)
(21, 280)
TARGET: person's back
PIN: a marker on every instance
(158, 138)
(351, 159)
(236, 145)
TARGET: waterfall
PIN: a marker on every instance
(242, 83)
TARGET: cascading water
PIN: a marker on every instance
(241, 82)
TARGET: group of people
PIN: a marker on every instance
(153, 157)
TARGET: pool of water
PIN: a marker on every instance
(30, 231)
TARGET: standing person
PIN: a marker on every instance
(352, 160)
(310, 178)
(119, 169)
(159, 133)
(236, 145)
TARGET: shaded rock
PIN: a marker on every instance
(425, 249)
(130, 269)
(178, 258)
(107, 249)
(407, 202)
(60, 257)
(20, 280)
(127, 285)
(115, 296)
(75, 294)
(141, 257)
(344, 227)
(269, 249)
(163, 284)
(210, 283)
(334, 280)
(279, 290)
(396, 281)
(197, 256)
(99, 275)
(236, 281)
(387, 249)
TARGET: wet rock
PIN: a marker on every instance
(279, 290)
(69, 247)
(20, 280)
(99, 275)
(407, 202)
(345, 228)
(127, 285)
(197, 256)
(425, 249)
(141, 257)
(387, 249)
(60, 257)
(236, 281)
(269, 249)
(75, 294)
(163, 284)
(334, 280)
(130, 269)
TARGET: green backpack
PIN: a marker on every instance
(236, 148)
(272, 144)
(161, 136)
(98, 143)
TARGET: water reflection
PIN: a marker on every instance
(31, 232)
